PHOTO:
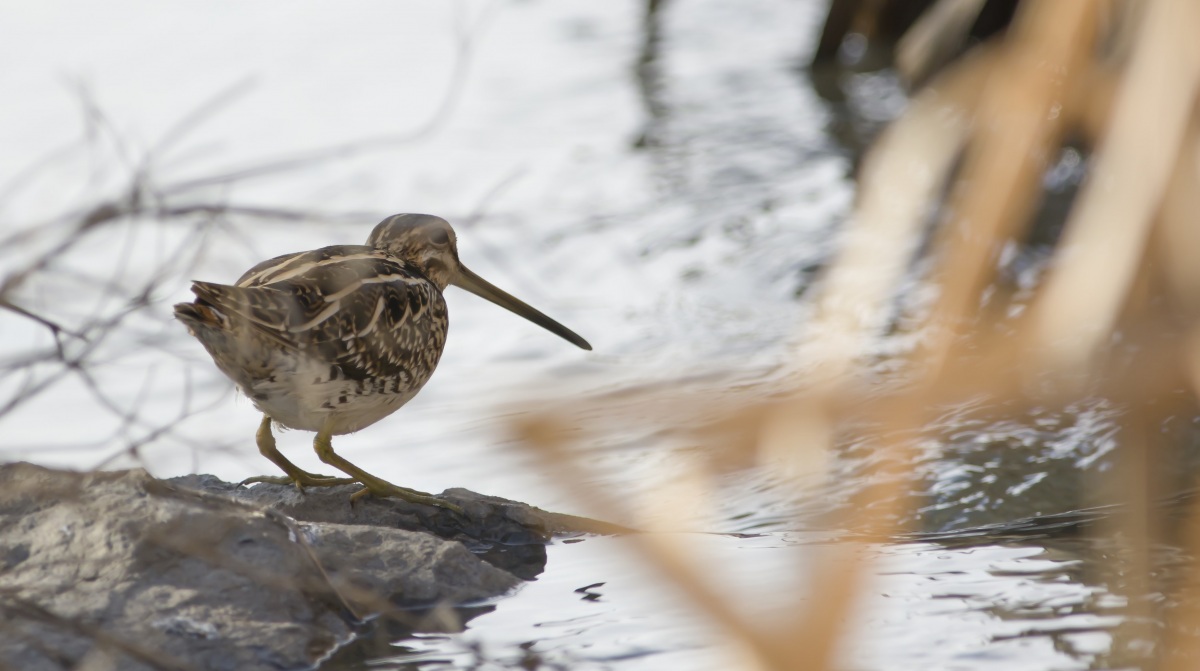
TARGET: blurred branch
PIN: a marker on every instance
(46, 246)
(54, 328)
(465, 38)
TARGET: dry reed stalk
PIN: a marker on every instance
(1064, 69)
(811, 635)
(936, 36)
(1018, 127)
(900, 177)
(1109, 226)
(1181, 644)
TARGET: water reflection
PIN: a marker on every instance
(384, 638)
(526, 561)
(1065, 579)
(990, 606)
(649, 76)
(1034, 594)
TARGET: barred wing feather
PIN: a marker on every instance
(368, 314)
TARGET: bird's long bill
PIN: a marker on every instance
(484, 289)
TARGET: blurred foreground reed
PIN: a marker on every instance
(1113, 314)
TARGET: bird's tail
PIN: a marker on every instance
(200, 314)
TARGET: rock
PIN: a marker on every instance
(120, 570)
(507, 534)
(484, 518)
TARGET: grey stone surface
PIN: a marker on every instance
(507, 534)
(120, 570)
(485, 518)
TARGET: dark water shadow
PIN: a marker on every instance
(383, 638)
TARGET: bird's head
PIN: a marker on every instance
(425, 241)
(429, 244)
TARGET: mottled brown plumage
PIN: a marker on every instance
(334, 339)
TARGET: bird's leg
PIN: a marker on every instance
(323, 444)
(295, 475)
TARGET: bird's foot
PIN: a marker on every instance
(301, 480)
(386, 489)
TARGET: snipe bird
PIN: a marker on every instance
(335, 339)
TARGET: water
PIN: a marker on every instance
(667, 189)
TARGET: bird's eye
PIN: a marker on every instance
(439, 236)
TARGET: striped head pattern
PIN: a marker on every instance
(426, 241)
(429, 244)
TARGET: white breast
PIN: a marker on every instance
(307, 399)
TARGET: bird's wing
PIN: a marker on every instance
(370, 314)
(297, 263)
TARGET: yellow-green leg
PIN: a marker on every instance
(295, 475)
(323, 444)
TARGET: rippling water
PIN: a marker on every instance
(666, 188)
